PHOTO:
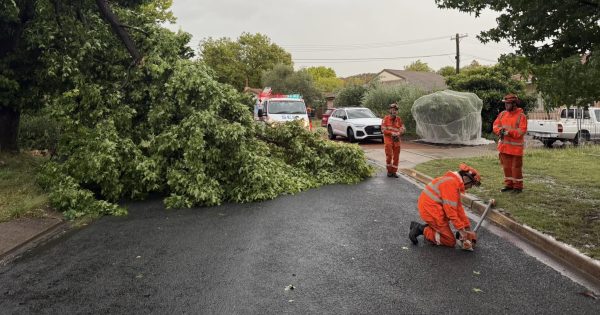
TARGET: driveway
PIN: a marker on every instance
(337, 249)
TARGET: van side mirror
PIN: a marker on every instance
(344, 117)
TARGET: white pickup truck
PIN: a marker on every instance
(576, 125)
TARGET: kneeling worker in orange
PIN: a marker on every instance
(439, 204)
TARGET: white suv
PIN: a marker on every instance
(354, 123)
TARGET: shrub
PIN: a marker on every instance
(380, 97)
(351, 95)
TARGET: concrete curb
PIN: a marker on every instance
(35, 240)
(558, 250)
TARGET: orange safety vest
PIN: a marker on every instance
(440, 201)
(388, 126)
(515, 123)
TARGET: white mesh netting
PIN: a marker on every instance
(449, 117)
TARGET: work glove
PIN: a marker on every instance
(396, 138)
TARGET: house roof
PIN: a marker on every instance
(428, 81)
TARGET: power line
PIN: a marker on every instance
(484, 59)
(330, 47)
(371, 58)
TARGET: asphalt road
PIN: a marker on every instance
(344, 249)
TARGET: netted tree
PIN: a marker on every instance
(380, 97)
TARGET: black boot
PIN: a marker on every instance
(416, 229)
(506, 189)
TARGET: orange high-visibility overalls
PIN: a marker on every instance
(511, 147)
(392, 149)
(439, 204)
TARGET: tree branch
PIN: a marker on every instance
(112, 19)
(135, 28)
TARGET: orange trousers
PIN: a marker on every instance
(392, 156)
(513, 170)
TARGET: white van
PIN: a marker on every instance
(282, 108)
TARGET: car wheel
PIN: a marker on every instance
(548, 142)
(581, 138)
(330, 133)
(350, 135)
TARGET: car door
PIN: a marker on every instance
(341, 122)
(332, 121)
(344, 122)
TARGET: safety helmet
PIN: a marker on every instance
(471, 173)
(511, 98)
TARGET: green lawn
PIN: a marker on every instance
(19, 194)
(561, 196)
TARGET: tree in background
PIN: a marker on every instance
(379, 97)
(359, 79)
(351, 95)
(284, 80)
(242, 61)
(490, 84)
(418, 66)
(325, 79)
(568, 31)
(447, 71)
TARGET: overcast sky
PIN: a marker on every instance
(350, 36)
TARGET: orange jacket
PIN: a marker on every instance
(389, 126)
(515, 123)
(440, 201)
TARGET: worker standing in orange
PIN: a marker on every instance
(439, 204)
(511, 127)
(392, 127)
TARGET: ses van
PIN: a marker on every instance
(282, 108)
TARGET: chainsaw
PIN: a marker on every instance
(468, 241)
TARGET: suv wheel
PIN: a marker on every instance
(350, 134)
(330, 133)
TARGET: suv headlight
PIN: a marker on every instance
(359, 126)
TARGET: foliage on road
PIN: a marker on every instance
(197, 144)
(560, 196)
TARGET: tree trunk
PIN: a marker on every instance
(9, 129)
(112, 19)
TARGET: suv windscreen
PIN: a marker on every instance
(360, 113)
(287, 107)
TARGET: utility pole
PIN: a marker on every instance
(457, 38)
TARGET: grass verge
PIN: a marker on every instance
(561, 196)
(20, 196)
